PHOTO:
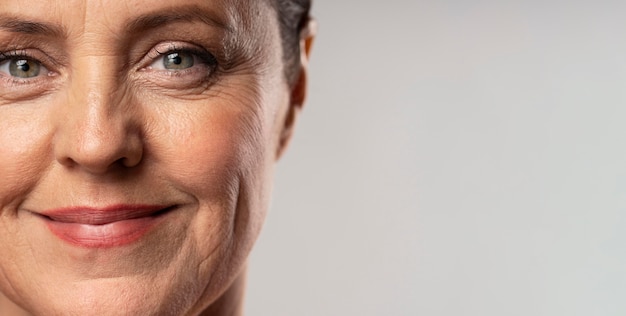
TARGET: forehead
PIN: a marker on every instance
(73, 16)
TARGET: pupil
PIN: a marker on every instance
(177, 61)
(23, 65)
(175, 58)
(24, 68)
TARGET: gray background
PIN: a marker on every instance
(454, 158)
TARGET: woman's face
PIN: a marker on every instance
(137, 143)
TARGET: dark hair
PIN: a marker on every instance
(293, 16)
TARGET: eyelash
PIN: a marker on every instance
(201, 74)
(203, 56)
(14, 54)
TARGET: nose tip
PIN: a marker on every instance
(97, 122)
(98, 134)
(99, 149)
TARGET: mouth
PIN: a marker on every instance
(112, 226)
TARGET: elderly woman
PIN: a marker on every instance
(138, 144)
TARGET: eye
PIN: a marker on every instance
(178, 61)
(181, 60)
(22, 67)
(179, 66)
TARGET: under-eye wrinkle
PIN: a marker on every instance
(23, 76)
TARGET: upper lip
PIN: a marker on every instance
(103, 215)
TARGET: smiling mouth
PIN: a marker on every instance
(112, 226)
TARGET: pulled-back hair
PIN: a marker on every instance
(293, 16)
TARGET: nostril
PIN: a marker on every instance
(133, 151)
(98, 129)
(66, 162)
(95, 153)
(131, 160)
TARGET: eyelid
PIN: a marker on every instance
(198, 77)
(14, 89)
(17, 54)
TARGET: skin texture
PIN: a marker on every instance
(104, 123)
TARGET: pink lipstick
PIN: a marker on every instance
(111, 226)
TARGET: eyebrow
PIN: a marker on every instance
(172, 15)
(140, 24)
(18, 25)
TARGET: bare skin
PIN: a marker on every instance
(138, 104)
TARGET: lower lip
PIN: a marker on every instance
(109, 235)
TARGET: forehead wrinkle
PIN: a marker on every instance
(24, 25)
(177, 14)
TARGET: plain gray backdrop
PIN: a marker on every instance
(454, 158)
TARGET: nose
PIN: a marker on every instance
(97, 131)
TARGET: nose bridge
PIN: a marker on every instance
(94, 79)
(97, 120)
(97, 132)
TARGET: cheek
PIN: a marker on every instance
(24, 157)
(213, 141)
(207, 152)
(24, 153)
(216, 152)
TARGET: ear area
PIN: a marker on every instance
(298, 92)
